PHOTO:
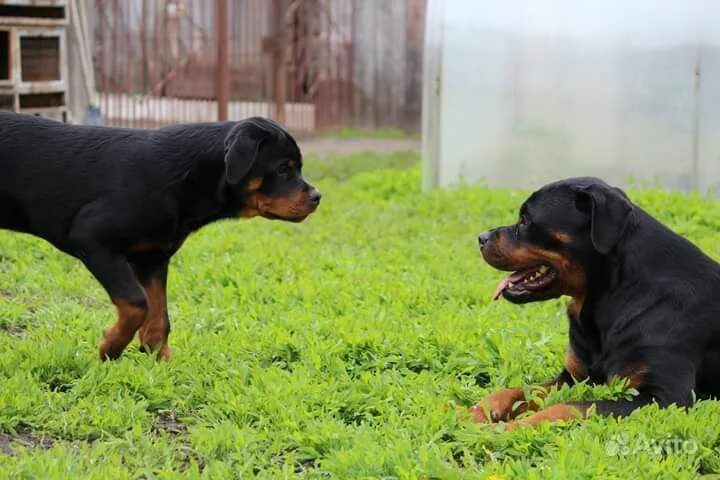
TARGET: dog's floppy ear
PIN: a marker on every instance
(242, 144)
(609, 214)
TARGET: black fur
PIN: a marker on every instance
(124, 200)
(651, 299)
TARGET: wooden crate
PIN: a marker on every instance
(33, 57)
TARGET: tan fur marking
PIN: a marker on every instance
(295, 205)
(554, 413)
(153, 333)
(498, 405)
(574, 366)
(561, 237)
(574, 308)
(636, 376)
(504, 253)
(254, 184)
(116, 338)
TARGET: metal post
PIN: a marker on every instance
(223, 70)
(432, 94)
(697, 97)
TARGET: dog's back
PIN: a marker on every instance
(123, 201)
(50, 170)
(57, 168)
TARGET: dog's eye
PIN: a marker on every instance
(283, 169)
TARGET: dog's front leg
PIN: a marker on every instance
(579, 410)
(152, 271)
(665, 378)
(498, 406)
(501, 405)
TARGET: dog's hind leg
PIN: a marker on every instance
(117, 277)
(152, 270)
(87, 240)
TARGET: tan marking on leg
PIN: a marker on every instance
(559, 412)
(164, 353)
(153, 333)
(574, 366)
(117, 337)
(497, 406)
(635, 376)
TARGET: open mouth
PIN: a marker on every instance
(526, 282)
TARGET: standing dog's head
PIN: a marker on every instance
(561, 229)
(263, 167)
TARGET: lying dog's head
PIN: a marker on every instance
(561, 230)
(263, 167)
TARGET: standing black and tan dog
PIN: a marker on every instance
(123, 201)
(645, 302)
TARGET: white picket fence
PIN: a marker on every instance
(142, 110)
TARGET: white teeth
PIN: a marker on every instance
(543, 269)
(511, 284)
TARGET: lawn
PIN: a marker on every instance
(380, 133)
(336, 348)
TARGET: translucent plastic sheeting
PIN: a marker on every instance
(523, 92)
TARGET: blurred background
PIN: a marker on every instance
(312, 64)
(512, 93)
(523, 92)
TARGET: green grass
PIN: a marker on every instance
(378, 133)
(331, 349)
(341, 168)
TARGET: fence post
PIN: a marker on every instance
(279, 70)
(223, 69)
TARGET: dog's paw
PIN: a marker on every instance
(484, 413)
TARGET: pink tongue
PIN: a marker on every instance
(515, 277)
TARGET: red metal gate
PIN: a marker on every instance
(156, 61)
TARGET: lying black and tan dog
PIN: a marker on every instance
(645, 302)
(123, 201)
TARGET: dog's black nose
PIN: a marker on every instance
(483, 238)
(315, 197)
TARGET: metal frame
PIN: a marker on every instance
(432, 75)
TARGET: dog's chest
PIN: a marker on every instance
(586, 344)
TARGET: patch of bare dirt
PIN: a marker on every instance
(166, 422)
(25, 438)
(13, 330)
